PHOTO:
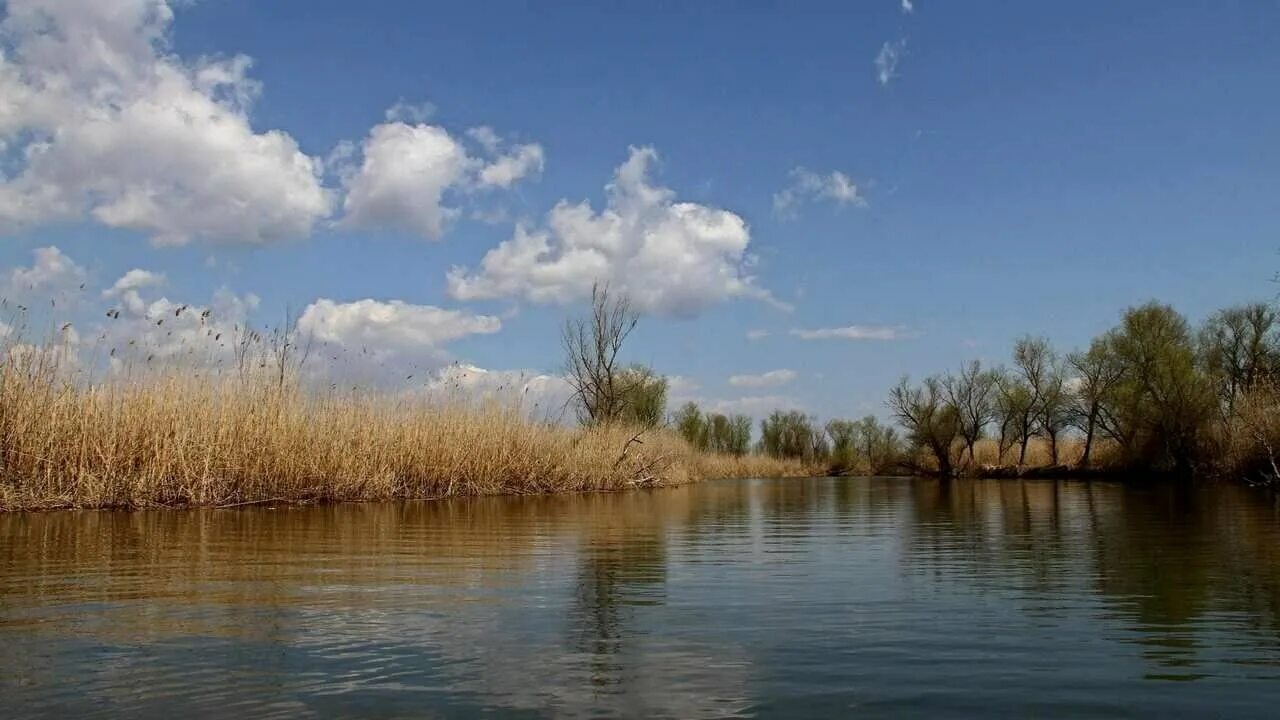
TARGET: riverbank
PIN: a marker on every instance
(203, 441)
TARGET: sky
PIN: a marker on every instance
(805, 200)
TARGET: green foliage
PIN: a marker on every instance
(644, 396)
(1160, 408)
(730, 434)
(844, 446)
(792, 435)
(691, 426)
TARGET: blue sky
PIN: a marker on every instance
(1025, 167)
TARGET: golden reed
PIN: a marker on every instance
(171, 437)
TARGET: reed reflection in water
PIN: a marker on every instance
(754, 598)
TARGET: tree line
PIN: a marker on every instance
(1162, 397)
(1151, 394)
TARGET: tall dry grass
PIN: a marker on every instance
(175, 437)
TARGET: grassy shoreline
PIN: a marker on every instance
(175, 441)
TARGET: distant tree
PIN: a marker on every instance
(1015, 413)
(878, 445)
(739, 441)
(789, 435)
(1162, 405)
(931, 422)
(644, 394)
(1240, 347)
(591, 347)
(1097, 372)
(1053, 412)
(970, 393)
(844, 445)
(691, 426)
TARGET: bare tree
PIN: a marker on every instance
(930, 421)
(1097, 373)
(970, 393)
(591, 347)
(1015, 409)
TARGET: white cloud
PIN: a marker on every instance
(680, 390)
(808, 186)
(133, 280)
(757, 406)
(754, 335)
(854, 332)
(523, 161)
(411, 177)
(908, 6)
(410, 112)
(773, 378)
(403, 177)
(887, 60)
(127, 288)
(105, 120)
(160, 330)
(669, 257)
(540, 394)
(51, 273)
(374, 340)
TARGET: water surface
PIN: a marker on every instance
(837, 597)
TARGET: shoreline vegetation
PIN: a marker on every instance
(253, 430)
(1148, 398)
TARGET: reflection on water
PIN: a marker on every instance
(760, 598)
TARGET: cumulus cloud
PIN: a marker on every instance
(669, 257)
(372, 340)
(809, 186)
(51, 274)
(145, 329)
(908, 6)
(756, 406)
(541, 394)
(101, 118)
(887, 60)
(854, 332)
(773, 378)
(412, 177)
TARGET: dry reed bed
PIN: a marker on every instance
(174, 440)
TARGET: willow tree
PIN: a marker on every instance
(931, 422)
(971, 394)
(1097, 372)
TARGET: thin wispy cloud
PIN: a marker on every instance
(754, 335)
(809, 186)
(887, 60)
(854, 332)
(908, 7)
(773, 378)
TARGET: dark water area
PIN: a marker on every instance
(792, 598)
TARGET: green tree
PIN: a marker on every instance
(1161, 407)
(691, 426)
(790, 435)
(843, 435)
(644, 396)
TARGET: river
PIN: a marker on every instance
(763, 598)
